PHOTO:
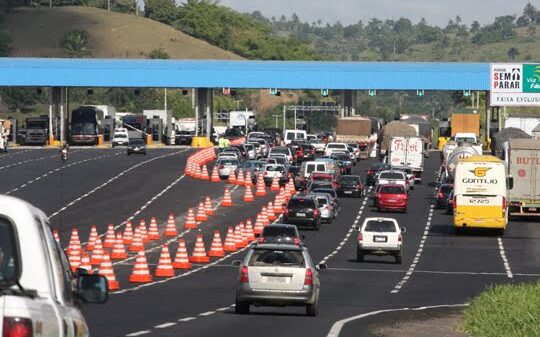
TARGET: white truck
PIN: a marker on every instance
(471, 138)
(522, 160)
(39, 296)
(407, 152)
(243, 119)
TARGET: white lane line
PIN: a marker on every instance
(138, 333)
(208, 313)
(110, 181)
(26, 161)
(165, 325)
(58, 169)
(505, 259)
(338, 326)
(187, 319)
(416, 259)
(13, 153)
(223, 309)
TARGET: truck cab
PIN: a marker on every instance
(39, 296)
(471, 138)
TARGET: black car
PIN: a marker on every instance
(371, 173)
(350, 186)
(136, 145)
(443, 192)
(183, 137)
(280, 234)
(303, 211)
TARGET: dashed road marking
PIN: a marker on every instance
(187, 319)
(505, 259)
(138, 333)
(165, 325)
(208, 313)
(26, 161)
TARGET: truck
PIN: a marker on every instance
(244, 120)
(356, 130)
(390, 130)
(527, 124)
(466, 121)
(85, 125)
(5, 129)
(36, 130)
(422, 125)
(39, 295)
(407, 152)
(522, 159)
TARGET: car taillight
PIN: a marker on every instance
(504, 203)
(17, 327)
(440, 195)
(286, 211)
(244, 278)
(309, 277)
(316, 213)
(360, 237)
(399, 238)
(221, 166)
(261, 239)
(455, 203)
(296, 241)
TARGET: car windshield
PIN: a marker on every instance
(392, 190)
(280, 160)
(336, 146)
(315, 167)
(137, 142)
(317, 177)
(341, 156)
(380, 226)
(326, 190)
(348, 180)
(266, 257)
(390, 175)
(378, 166)
(353, 145)
(280, 150)
(315, 141)
(322, 200)
(274, 168)
(278, 231)
(8, 252)
(228, 162)
(466, 140)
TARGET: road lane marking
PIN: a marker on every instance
(165, 325)
(97, 188)
(335, 330)
(14, 153)
(26, 161)
(505, 259)
(138, 333)
(208, 313)
(187, 319)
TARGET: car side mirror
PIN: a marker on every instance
(403, 230)
(322, 266)
(92, 288)
(236, 263)
(357, 228)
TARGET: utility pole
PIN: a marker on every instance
(295, 118)
(277, 119)
(284, 118)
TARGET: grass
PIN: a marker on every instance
(37, 32)
(505, 310)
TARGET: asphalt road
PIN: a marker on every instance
(106, 186)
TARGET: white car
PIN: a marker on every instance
(251, 151)
(318, 145)
(328, 213)
(121, 139)
(380, 236)
(393, 177)
(331, 147)
(227, 155)
(226, 166)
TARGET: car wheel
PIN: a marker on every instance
(129, 154)
(312, 310)
(241, 308)
(399, 258)
(359, 255)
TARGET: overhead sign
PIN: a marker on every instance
(515, 84)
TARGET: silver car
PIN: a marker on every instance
(226, 166)
(278, 275)
(325, 206)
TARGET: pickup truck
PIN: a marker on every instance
(39, 296)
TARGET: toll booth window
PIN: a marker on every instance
(8, 252)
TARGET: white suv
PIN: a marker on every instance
(393, 177)
(334, 147)
(380, 236)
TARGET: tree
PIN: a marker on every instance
(75, 44)
(18, 99)
(475, 27)
(159, 54)
(530, 12)
(513, 53)
(5, 43)
(160, 10)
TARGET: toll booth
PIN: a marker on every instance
(155, 128)
(108, 128)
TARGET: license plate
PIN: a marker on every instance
(532, 209)
(348, 192)
(301, 214)
(275, 279)
(380, 239)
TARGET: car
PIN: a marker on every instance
(324, 176)
(280, 234)
(350, 185)
(309, 151)
(441, 195)
(373, 171)
(258, 149)
(228, 155)
(183, 137)
(234, 150)
(449, 209)
(314, 184)
(233, 133)
(243, 150)
(264, 146)
(354, 148)
(332, 193)
(409, 172)
(326, 207)
(252, 153)
(291, 135)
(393, 177)
(136, 145)
(255, 135)
(345, 159)
(277, 275)
(120, 139)
(269, 171)
(380, 236)
(283, 150)
(318, 145)
(331, 147)
(280, 158)
(253, 166)
(302, 210)
(226, 165)
(392, 197)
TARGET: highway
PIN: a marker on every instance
(102, 186)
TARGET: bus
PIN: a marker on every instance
(85, 125)
(481, 193)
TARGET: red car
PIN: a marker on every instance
(392, 197)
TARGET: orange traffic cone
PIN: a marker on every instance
(181, 261)
(74, 240)
(110, 238)
(106, 269)
(137, 244)
(97, 253)
(264, 216)
(119, 251)
(201, 214)
(74, 258)
(247, 180)
(230, 241)
(143, 231)
(208, 209)
(215, 176)
(216, 249)
(240, 180)
(170, 230)
(140, 273)
(245, 240)
(249, 231)
(85, 264)
(238, 239)
(199, 252)
(165, 267)
(261, 187)
(153, 232)
(275, 184)
(232, 177)
(227, 200)
(259, 225)
(197, 173)
(92, 238)
(191, 223)
(128, 234)
(248, 196)
(278, 202)
(270, 212)
(204, 173)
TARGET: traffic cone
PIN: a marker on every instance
(278, 209)
(248, 196)
(275, 184)
(143, 231)
(181, 261)
(153, 232)
(259, 225)
(227, 200)
(74, 240)
(137, 243)
(119, 251)
(230, 241)
(292, 189)
(215, 175)
(216, 249)
(240, 180)
(110, 238)
(106, 269)
(191, 223)
(238, 239)
(249, 231)
(164, 267)
(204, 173)
(201, 214)
(56, 236)
(199, 252)
(170, 230)
(74, 258)
(261, 187)
(85, 264)
(128, 234)
(208, 209)
(270, 211)
(245, 240)
(232, 177)
(97, 253)
(197, 173)
(140, 273)
(247, 180)
(92, 238)
(264, 216)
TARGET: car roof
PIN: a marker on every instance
(284, 225)
(392, 171)
(316, 194)
(380, 219)
(274, 246)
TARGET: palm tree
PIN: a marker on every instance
(513, 53)
(75, 44)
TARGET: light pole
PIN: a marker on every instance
(277, 119)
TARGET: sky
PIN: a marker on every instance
(436, 12)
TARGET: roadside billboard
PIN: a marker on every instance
(515, 84)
